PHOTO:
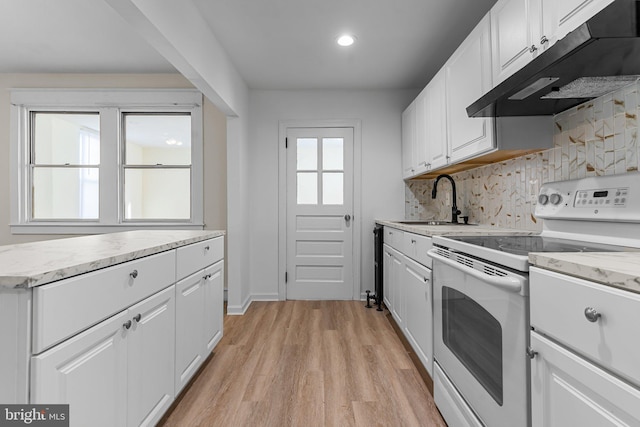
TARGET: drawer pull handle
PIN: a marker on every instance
(134, 274)
(127, 324)
(592, 314)
(137, 317)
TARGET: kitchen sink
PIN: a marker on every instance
(432, 223)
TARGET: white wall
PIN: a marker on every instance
(382, 195)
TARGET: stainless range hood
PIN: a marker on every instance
(598, 56)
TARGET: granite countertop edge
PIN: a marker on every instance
(617, 269)
(28, 265)
(454, 230)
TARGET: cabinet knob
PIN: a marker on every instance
(544, 40)
(206, 248)
(413, 241)
(533, 48)
(531, 353)
(592, 314)
(425, 279)
(127, 324)
(133, 274)
(137, 317)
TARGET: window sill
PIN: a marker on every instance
(67, 228)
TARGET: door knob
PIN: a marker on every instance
(347, 217)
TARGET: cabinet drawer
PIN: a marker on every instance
(558, 305)
(66, 307)
(199, 255)
(394, 238)
(416, 247)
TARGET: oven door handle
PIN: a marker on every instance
(509, 283)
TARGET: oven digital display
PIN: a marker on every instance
(604, 193)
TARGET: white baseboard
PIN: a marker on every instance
(239, 310)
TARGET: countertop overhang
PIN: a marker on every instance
(27, 265)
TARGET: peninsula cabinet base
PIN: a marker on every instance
(119, 367)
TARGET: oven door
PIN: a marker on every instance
(481, 328)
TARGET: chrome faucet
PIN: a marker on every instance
(454, 208)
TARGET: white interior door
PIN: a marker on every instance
(319, 213)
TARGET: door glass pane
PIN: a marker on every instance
(475, 338)
(66, 138)
(332, 153)
(157, 194)
(332, 188)
(307, 149)
(65, 193)
(152, 139)
(307, 188)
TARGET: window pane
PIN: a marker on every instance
(66, 138)
(475, 338)
(307, 188)
(332, 188)
(157, 194)
(65, 193)
(307, 153)
(332, 154)
(157, 139)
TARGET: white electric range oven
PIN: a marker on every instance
(481, 288)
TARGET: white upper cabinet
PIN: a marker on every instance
(560, 17)
(408, 140)
(468, 75)
(436, 121)
(522, 29)
(515, 33)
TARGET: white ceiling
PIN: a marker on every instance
(275, 44)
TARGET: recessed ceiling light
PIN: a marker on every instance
(346, 40)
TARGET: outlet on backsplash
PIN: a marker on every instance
(596, 138)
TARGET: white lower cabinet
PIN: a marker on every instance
(117, 373)
(198, 326)
(408, 292)
(416, 281)
(151, 357)
(584, 366)
(567, 390)
(213, 300)
(89, 372)
(119, 344)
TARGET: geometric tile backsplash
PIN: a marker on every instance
(599, 137)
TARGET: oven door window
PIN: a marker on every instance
(474, 336)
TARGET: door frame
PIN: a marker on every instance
(283, 126)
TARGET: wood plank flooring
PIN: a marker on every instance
(307, 363)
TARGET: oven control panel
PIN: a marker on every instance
(604, 198)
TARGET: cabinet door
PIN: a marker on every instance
(89, 372)
(151, 358)
(437, 120)
(468, 78)
(214, 305)
(514, 35)
(566, 390)
(397, 300)
(421, 147)
(560, 17)
(387, 277)
(416, 282)
(189, 328)
(408, 140)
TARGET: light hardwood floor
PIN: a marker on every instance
(307, 363)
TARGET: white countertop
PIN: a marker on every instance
(619, 269)
(454, 230)
(32, 264)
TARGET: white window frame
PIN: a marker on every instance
(111, 103)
